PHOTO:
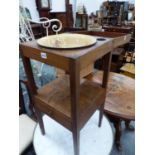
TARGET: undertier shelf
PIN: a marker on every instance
(54, 99)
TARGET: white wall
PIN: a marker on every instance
(58, 5)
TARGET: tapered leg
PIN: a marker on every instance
(118, 134)
(106, 68)
(76, 142)
(128, 126)
(101, 112)
(75, 91)
(100, 116)
(40, 120)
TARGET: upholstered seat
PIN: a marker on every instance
(26, 129)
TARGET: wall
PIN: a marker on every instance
(59, 5)
(31, 5)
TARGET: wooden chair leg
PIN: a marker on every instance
(76, 142)
(40, 120)
(118, 134)
(128, 126)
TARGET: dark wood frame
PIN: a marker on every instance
(65, 17)
(40, 7)
(43, 11)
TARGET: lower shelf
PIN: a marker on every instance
(54, 100)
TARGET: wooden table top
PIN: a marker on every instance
(124, 29)
(120, 99)
(71, 53)
(118, 27)
(61, 58)
(119, 38)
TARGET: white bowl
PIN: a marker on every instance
(67, 41)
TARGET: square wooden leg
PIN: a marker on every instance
(118, 134)
(76, 142)
(74, 91)
(106, 69)
(129, 126)
(100, 116)
(40, 120)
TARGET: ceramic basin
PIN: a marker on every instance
(67, 41)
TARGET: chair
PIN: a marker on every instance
(120, 100)
(26, 125)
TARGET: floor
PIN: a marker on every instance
(128, 143)
(127, 139)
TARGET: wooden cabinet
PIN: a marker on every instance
(43, 4)
(65, 17)
(62, 16)
(43, 7)
(45, 10)
(115, 12)
(37, 30)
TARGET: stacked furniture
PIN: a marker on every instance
(116, 12)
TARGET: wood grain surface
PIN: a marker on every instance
(54, 98)
(120, 98)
